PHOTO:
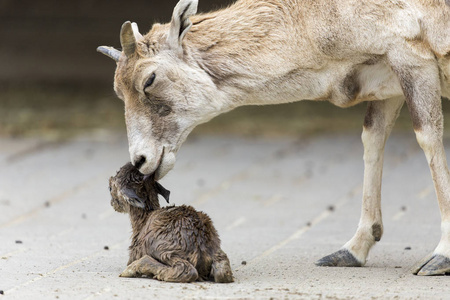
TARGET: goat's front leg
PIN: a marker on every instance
(179, 270)
(146, 265)
(378, 123)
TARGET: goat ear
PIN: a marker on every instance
(137, 35)
(129, 34)
(132, 198)
(162, 191)
(180, 23)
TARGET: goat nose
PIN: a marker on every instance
(140, 160)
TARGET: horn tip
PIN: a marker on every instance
(109, 51)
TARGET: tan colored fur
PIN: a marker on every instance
(268, 52)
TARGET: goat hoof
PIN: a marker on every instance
(341, 258)
(225, 277)
(128, 272)
(221, 271)
(434, 264)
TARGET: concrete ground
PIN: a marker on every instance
(279, 204)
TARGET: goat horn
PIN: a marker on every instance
(127, 39)
(109, 51)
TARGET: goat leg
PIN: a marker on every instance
(421, 85)
(180, 270)
(221, 269)
(146, 265)
(379, 120)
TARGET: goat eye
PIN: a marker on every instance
(149, 81)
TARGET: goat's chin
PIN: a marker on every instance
(167, 163)
(161, 167)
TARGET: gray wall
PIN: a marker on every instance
(54, 41)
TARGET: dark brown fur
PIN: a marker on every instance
(377, 232)
(368, 120)
(408, 88)
(350, 86)
(175, 243)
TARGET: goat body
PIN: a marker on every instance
(175, 243)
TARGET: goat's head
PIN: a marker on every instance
(166, 94)
(130, 187)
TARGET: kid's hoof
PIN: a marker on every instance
(129, 272)
(435, 265)
(221, 271)
(224, 277)
(341, 258)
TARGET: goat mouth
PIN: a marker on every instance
(148, 170)
(156, 174)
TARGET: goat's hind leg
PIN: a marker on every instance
(179, 271)
(378, 123)
(221, 269)
(422, 90)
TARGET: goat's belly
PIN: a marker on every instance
(366, 83)
(343, 84)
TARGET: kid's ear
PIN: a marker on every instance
(180, 23)
(132, 198)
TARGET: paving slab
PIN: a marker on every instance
(279, 204)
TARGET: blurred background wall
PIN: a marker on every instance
(55, 41)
